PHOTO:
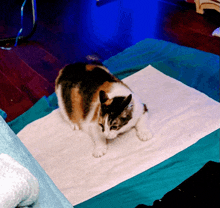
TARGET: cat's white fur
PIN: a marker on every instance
(92, 128)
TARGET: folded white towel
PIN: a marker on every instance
(18, 187)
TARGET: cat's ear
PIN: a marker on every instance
(103, 96)
(126, 101)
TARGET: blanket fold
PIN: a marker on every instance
(18, 187)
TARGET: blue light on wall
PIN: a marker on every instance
(122, 19)
(109, 27)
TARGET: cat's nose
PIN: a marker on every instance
(111, 136)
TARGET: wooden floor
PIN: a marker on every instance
(69, 30)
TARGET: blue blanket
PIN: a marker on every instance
(10, 144)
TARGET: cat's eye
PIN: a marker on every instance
(113, 127)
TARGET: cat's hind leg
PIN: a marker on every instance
(142, 130)
(62, 110)
(74, 126)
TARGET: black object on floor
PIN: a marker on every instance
(200, 190)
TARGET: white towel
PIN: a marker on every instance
(18, 187)
(178, 116)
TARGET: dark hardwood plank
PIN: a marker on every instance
(39, 60)
(12, 100)
(188, 29)
(191, 21)
(23, 76)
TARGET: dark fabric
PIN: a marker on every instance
(200, 190)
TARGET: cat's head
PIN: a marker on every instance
(114, 114)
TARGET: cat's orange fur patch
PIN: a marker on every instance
(90, 67)
(95, 116)
(106, 87)
(56, 81)
(77, 108)
(108, 102)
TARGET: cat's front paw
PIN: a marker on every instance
(144, 135)
(74, 126)
(100, 151)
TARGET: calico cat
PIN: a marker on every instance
(91, 99)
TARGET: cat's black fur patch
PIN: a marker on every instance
(66, 94)
(114, 108)
(87, 81)
(103, 96)
(118, 105)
